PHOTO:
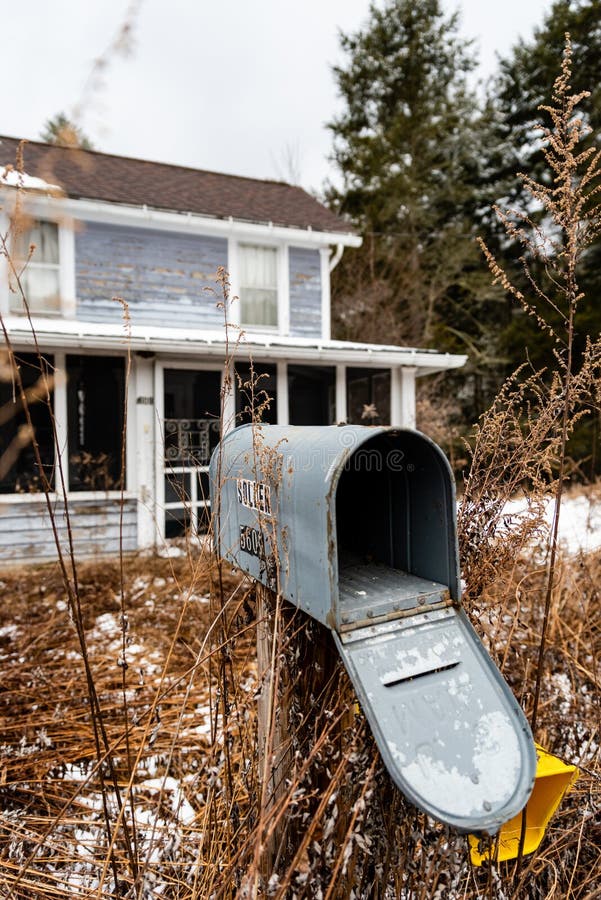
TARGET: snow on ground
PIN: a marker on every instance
(579, 521)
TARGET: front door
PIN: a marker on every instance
(191, 409)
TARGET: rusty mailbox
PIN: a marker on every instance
(356, 525)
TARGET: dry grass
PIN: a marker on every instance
(130, 764)
(53, 835)
(346, 831)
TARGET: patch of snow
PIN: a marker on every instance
(107, 624)
(199, 598)
(77, 771)
(496, 763)
(139, 586)
(563, 686)
(579, 521)
(179, 805)
(204, 714)
(13, 178)
(9, 631)
(171, 552)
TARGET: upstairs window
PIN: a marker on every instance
(40, 279)
(258, 286)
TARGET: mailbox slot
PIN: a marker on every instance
(452, 736)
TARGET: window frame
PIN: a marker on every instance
(77, 416)
(160, 465)
(61, 450)
(19, 419)
(65, 267)
(282, 279)
(259, 326)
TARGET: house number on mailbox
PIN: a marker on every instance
(251, 541)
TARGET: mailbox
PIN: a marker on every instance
(356, 525)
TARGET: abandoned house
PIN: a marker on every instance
(129, 314)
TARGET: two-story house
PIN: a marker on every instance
(107, 227)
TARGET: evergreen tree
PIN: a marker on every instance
(63, 132)
(525, 83)
(408, 150)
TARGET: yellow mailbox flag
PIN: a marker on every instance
(553, 778)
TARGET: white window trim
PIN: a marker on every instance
(66, 271)
(283, 290)
(267, 245)
(58, 496)
(283, 285)
(66, 257)
(31, 265)
(233, 312)
(159, 412)
(61, 450)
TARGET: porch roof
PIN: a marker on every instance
(71, 335)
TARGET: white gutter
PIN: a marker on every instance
(70, 335)
(190, 223)
(336, 256)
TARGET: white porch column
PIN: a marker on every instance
(146, 435)
(4, 225)
(283, 401)
(341, 410)
(229, 400)
(60, 418)
(402, 396)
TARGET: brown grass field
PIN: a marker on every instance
(187, 769)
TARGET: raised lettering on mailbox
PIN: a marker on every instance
(254, 495)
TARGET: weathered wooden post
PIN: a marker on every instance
(273, 716)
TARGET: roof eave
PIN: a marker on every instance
(61, 335)
(42, 203)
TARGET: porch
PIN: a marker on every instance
(169, 395)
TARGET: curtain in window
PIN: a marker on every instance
(258, 285)
(40, 279)
(45, 237)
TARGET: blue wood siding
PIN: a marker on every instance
(305, 292)
(26, 533)
(163, 276)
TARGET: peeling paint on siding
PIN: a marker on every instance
(25, 532)
(163, 276)
(305, 292)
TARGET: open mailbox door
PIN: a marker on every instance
(357, 526)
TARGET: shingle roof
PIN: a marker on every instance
(137, 182)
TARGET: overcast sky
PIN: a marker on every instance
(234, 85)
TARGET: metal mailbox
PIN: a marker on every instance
(356, 525)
